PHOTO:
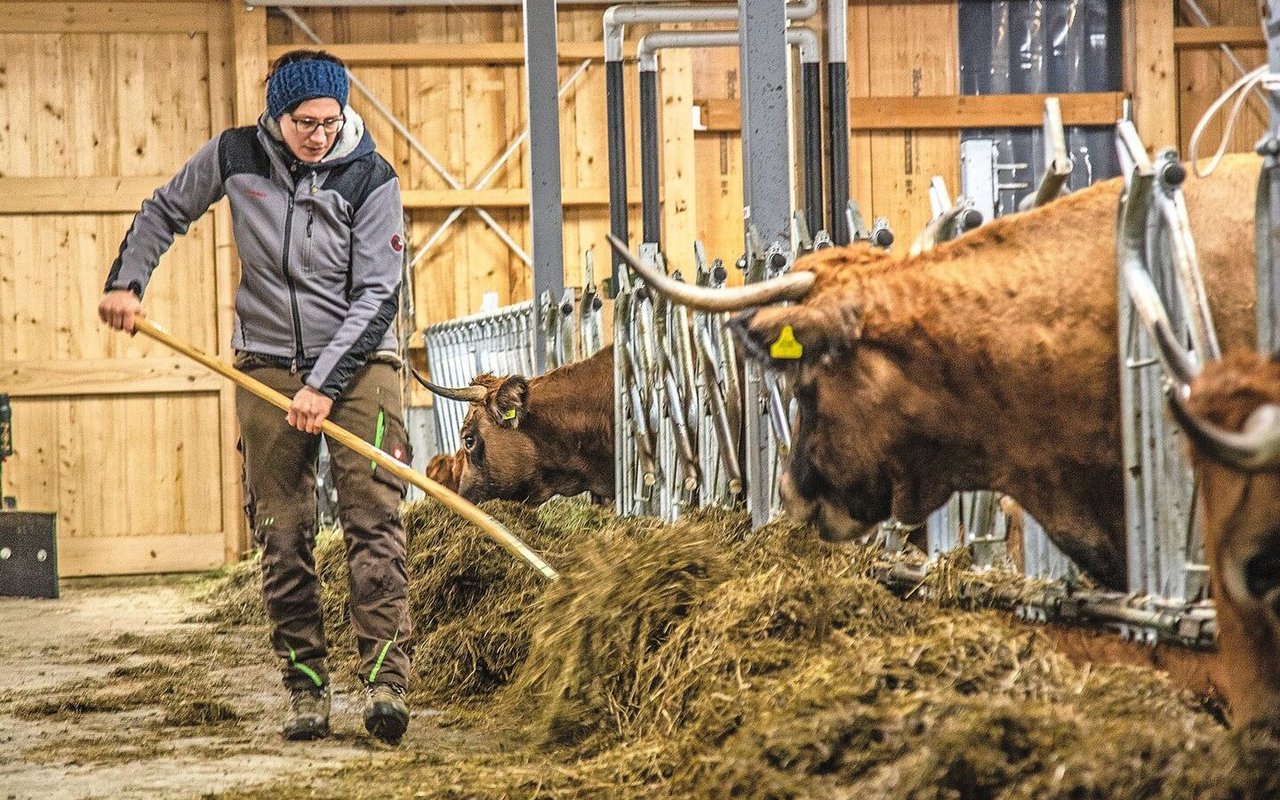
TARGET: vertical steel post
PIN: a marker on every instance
(616, 129)
(1268, 212)
(649, 165)
(838, 117)
(766, 195)
(546, 204)
(811, 81)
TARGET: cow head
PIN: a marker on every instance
(531, 439)
(498, 458)
(1232, 416)
(859, 409)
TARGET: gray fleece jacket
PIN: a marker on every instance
(320, 245)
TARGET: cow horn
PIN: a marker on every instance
(792, 286)
(467, 394)
(1256, 448)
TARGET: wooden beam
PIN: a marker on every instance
(237, 99)
(948, 112)
(447, 53)
(1153, 74)
(1189, 37)
(36, 17)
(250, 41)
(503, 197)
(104, 376)
(131, 555)
(92, 195)
(125, 195)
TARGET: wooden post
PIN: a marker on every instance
(1152, 75)
(249, 26)
(243, 102)
(679, 188)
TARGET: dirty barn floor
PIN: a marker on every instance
(112, 691)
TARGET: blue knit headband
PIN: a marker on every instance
(302, 80)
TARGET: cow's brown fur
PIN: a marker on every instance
(530, 440)
(446, 469)
(1242, 539)
(989, 362)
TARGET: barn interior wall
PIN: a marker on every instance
(131, 445)
(1204, 72)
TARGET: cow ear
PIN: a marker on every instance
(510, 401)
(785, 335)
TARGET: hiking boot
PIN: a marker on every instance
(308, 713)
(385, 714)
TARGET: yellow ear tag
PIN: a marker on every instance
(509, 414)
(787, 346)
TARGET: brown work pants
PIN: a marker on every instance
(280, 466)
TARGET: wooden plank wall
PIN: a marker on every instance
(125, 441)
(1204, 72)
(911, 50)
(466, 115)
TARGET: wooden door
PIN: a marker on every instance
(130, 444)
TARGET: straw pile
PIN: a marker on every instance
(705, 660)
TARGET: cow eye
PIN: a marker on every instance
(469, 441)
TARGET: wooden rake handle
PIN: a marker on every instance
(457, 504)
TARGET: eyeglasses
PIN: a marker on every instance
(307, 126)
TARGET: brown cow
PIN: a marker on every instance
(1233, 420)
(989, 362)
(529, 439)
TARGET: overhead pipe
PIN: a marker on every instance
(616, 18)
(647, 54)
(416, 3)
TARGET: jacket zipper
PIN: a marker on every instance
(293, 290)
(309, 264)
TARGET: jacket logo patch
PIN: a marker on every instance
(256, 193)
(397, 243)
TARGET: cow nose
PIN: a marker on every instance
(799, 508)
(835, 524)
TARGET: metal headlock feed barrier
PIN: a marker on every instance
(1154, 244)
(697, 426)
(501, 341)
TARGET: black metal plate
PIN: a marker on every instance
(28, 554)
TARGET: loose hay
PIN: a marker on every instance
(599, 628)
(706, 660)
(467, 595)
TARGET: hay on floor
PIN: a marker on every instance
(703, 659)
